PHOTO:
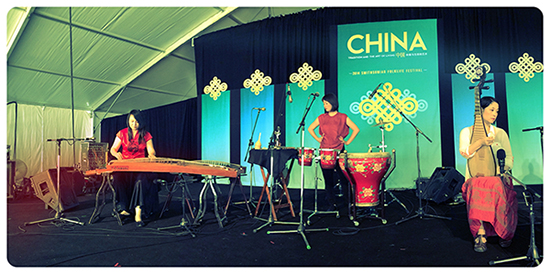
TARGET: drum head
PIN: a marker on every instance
(365, 155)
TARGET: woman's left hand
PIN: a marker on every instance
(342, 140)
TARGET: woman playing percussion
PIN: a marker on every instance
(333, 128)
(134, 190)
(491, 201)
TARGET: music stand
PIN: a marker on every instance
(301, 228)
(58, 215)
(533, 253)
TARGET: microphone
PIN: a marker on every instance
(260, 109)
(289, 93)
(316, 94)
(501, 155)
(375, 91)
(535, 128)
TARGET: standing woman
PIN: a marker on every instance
(491, 204)
(333, 128)
(134, 190)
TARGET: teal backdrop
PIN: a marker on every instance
(525, 111)
(403, 57)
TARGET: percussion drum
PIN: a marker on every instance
(328, 157)
(308, 156)
(365, 172)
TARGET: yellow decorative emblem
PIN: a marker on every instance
(257, 82)
(469, 67)
(526, 68)
(384, 111)
(305, 76)
(215, 88)
(360, 168)
(376, 167)
(366, 192)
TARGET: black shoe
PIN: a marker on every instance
(140, 224)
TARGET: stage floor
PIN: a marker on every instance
(334, 241)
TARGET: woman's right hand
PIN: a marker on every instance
(487, 141)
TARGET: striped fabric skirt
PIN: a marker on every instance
(493, 201)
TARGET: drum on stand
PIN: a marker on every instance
(309, 154)
(329, 157)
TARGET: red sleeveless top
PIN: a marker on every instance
(332, 127)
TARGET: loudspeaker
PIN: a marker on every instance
(444, 184)
(45, 188)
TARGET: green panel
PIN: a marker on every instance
(250, 100)
(525, 111)
(294, 113)
(409, 72)
(215, 127)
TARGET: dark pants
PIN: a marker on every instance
(136, 189)
(331, 177)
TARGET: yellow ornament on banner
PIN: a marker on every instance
(526, 68)
(469, 67)
(215, 88)
(305, 76)
(383, 111)
(257, 82)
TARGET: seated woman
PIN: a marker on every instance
(134, 190)
(491, 201)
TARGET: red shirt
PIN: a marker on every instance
(133, 149)
(333, 127)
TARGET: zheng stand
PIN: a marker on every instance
(301, 226)
(58, 215)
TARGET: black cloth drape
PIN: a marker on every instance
(173, 128)
(278, 46)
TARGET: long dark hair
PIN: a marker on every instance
(331, 98)
(141, 128)
(486, 101)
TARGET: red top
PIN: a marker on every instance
(333, 127)
(133, 149)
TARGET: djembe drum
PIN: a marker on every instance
(365, 172)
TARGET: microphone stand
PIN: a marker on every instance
(271, 219)
(301, 228)
(420, 212)
(541, 129)
(532, 254)
(250, 144)
(58, 214)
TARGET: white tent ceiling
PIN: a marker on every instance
(123, 58)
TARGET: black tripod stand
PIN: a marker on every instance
(58, 214)
(532, 255)
(301, 227)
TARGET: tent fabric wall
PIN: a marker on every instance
(37, 124)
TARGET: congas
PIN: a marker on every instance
(308, 156)
(365, 172)
(328, 157)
